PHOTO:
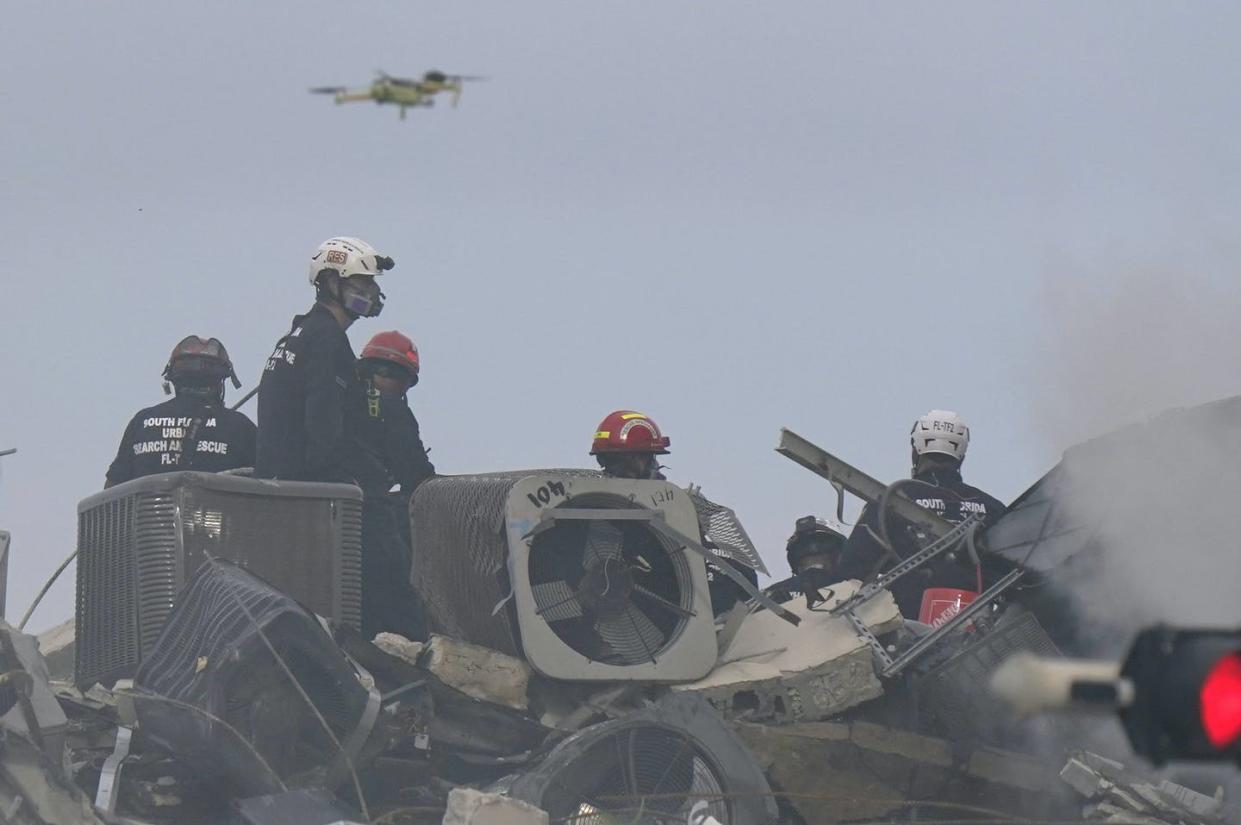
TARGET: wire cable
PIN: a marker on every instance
(46, 587)
(155, 697)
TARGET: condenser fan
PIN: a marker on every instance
(569, 570)
(653, 766)
(612, 591)
(649, 773)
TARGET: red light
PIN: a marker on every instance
(1221, 701)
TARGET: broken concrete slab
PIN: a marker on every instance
(1118, 794)
(31, 790)
(39, 709)
(467, 806)
(478, 671)
(56, 644)
(775, 671)
(396, 645)
(1191, 800)
(835, 772)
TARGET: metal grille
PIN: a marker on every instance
(460, 555)
(957, 691)
(651, 766)
(139, 542)
(107, 593)
(721, 526)
(614, 592)
(639, 774)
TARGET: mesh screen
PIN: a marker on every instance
(957, 692)
(460, 555)
(720, 524)
(278, 539)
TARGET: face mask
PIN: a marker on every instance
(362, 299)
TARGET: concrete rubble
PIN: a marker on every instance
(805, 702)
(467, 806)
(459, 721)
(1114, 794)
(775, 671)
(479, 672)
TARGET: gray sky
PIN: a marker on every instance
(732, 216)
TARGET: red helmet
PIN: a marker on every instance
(626, 431)
(395, 348)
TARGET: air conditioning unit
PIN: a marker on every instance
(568, 569)
(673, 762)
(141, 541)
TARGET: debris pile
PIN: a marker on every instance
(1117, 795)
(574, 672)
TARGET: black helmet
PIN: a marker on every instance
(196, 362)
(812, 537)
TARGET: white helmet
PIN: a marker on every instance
(940, 431)
(347, 257)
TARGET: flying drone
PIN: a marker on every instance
(402, 91)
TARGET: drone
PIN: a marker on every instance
(403, 91)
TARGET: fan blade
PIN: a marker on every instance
(618, 635)
(662, 602)
(632, 635)
(652, 636)
(604, 541)
(556, 601)
(327, 90)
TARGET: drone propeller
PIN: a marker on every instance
(470, 77)
(327, 90)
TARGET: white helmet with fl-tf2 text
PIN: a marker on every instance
(940, 431)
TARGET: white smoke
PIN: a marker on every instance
(1166, 501)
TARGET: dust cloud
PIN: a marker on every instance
(1134, 359)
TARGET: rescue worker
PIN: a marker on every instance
(813, 552)
(302, 391)
(378, 419)
(626, 445)
(939, 441)
(193, 430)
(382, 430)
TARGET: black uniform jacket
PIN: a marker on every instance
(943, 492)
(385, 447)
(183, 433)
(302, 402)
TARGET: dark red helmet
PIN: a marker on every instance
(196, 359)
(626, 431)
(394, 348)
